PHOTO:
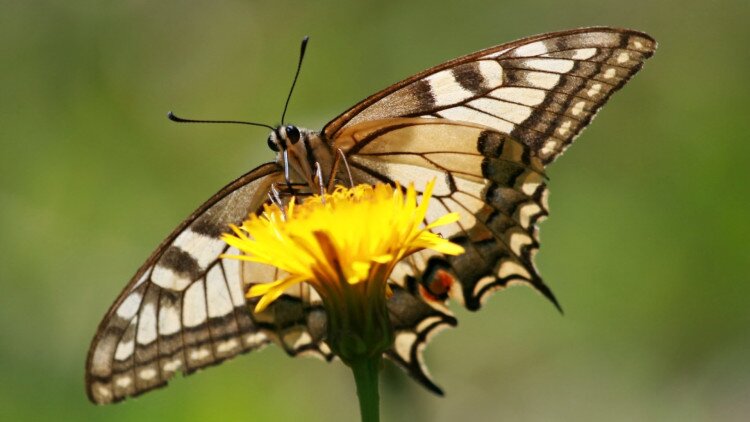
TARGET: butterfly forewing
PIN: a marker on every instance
(185, 308)
(541, 90)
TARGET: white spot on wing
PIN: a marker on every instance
(125, 349)
(303, 340)
(199, 354)
(169, 320)
(549, 147)
(542, 79)
(194, 305)
(550, 65)
(519, 239)
(584, 53)
(533, 49)
(147, 324)
(227, 346)
(173, 365)
(594, 90)
(623, 57)
(446, 89)
(509, 267)
(203, 248)
(147, 373)
(564, 128)
(403, 345)
(425, 323)
(129, 306)
(168, 279)
(529, 183)
(469, 187)
(482, 283)
(492, 73)
(103, 391)
(233, 271)
(578, 108)
(123, 381)
(526, 96)
(512, 112)
(324, 348)
(219, 301)
(610, 73)
(255, 339)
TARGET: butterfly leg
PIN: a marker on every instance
(281, 194)
(341, 154)
(340, 157)
(287, 177)
(319, 176)
(275, 196)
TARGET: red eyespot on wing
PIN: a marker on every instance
(437, 289)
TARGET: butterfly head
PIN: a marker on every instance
(299, 150)
(284, 137)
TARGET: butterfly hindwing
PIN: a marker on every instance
(185, 308)
(541, 90)
(296, 320)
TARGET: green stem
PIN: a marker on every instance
(366, 373)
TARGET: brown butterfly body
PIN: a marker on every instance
(484, 126)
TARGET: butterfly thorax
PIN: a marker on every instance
(302, 151)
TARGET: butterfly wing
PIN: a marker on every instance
(541, 90)
(185, 307)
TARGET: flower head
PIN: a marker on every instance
(345, 245)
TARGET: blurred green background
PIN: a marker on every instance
(646, 247)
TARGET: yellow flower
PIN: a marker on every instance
(345, 245)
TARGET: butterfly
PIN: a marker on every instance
(485, 126)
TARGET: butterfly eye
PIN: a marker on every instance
(293, 134)
(272, 144)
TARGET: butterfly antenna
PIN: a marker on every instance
(302, 49)
(177, 119)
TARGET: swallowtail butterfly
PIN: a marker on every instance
(485, 125)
